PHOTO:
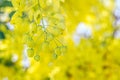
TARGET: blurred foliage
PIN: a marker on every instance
(37, 40)
(5, 3)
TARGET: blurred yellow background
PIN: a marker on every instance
(59, 39)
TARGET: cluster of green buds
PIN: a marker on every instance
(40, 24)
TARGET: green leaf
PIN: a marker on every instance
(2, 36)
(5, 4)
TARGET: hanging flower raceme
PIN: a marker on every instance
(40, 24)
